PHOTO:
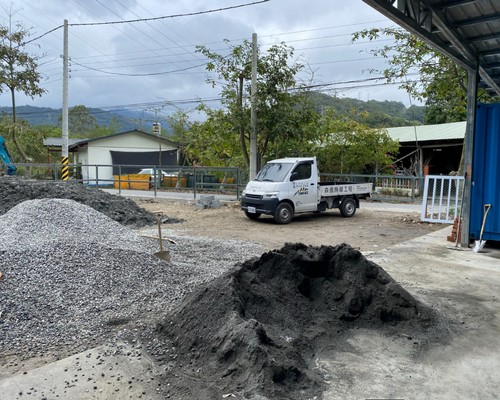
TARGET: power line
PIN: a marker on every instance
(150, 19)
(144, 74)
(320, 87)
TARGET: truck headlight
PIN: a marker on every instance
(271, 195)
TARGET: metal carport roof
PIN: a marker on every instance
(468, 31)
(426, 133)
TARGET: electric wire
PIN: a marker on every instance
(148, 19)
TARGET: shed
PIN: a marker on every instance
(126, 152)
(440, 146)
(54, 145)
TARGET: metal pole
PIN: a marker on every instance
(253, 115)
(194, 182)
(468, 152)
(119, 179)
(64, 149)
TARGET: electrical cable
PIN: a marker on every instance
(149, 19)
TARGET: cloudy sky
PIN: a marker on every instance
(153, 64)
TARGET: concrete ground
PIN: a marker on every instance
(105, 372)
(460, 284)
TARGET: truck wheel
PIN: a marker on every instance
(253, 216)
(283, 214)
(348, 207)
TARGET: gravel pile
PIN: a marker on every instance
(15, 190)
(74, 278)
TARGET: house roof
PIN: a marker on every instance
(422, 133)
(468, 31)
(150, 135)
(57, 141)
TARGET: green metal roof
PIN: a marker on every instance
(423, 133)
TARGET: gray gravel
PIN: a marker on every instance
(74, 278)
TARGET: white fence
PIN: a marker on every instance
(442, 198)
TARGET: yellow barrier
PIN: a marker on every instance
(144, 185)
(124, 181)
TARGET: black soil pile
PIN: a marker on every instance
(15, 190)
(254, 331)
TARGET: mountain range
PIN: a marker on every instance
(373, 113)
(124, 119)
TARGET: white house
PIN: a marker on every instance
(126, 152)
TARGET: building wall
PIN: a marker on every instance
(98, 153)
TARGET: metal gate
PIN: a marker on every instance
(442, 198)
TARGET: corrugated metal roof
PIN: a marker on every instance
(424, 133)
(57, 141)
(468, 31)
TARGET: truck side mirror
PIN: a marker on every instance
(294, 176)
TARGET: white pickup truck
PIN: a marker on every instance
(289, 186)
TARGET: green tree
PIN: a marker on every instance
(212, 142)
(81, 123)
(179, 127)
(30, 138)
(424, 73)
(18, 72)
(281, 110)
(347, 146)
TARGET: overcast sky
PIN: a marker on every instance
(143, 64)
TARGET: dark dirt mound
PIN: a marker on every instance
(254, 331)
(15, 190)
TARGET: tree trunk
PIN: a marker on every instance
(14, 136)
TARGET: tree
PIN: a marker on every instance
(347, 146)
(281, 111)
(426, 74)
(180, 127)
(18, 71)
(31, 138)
(80, 122)
(212, 142)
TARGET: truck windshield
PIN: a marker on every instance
(274, 172)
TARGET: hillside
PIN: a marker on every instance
(125, 120)
(376, 114)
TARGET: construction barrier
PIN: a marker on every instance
(143, 184)
(171, 181)
(121, 182)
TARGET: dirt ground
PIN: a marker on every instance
(371, 229)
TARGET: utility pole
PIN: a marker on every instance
(253, 115)
(64, 148)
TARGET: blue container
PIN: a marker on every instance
(486, 173)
